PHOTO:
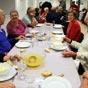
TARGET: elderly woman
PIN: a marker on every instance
(29, 19)
(82, 53)
(44, 14)
(38, 16)
(15, 27)
(5, 44)
(74, 30)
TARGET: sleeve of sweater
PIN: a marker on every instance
(12, 41)
(82, 55)
(75, 44)
(2, 53)
(75, 32)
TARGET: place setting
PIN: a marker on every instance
(23, 44)
(6, 71)
(58, 26)
(55, 82)
(57, 44)
(39, 25)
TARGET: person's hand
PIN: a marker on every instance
(84, 83)
(12, 58)
(21, 37)
(85, 74)
(68, 40)
(68, 53)
(7, 85)
(16, 57)
(6, 58)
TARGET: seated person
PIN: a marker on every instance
(15, 26)
(73, 30)
(7, 85)
(29, 19)
(52, 16)
(5, 44)
(82, 53)
(62, 15)
(38, 16)
(84, 83)
(44, 14)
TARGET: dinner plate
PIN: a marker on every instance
(56, 82)
(12, 72)
(57, 26)
(34, 31)
(23, 44)
(57, 32)
(4, 68)
(39, 25)
(42, 38)
(57, 47)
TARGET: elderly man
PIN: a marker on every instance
(5, 44)
(29, 18)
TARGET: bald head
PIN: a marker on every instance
(2, 17)
(1, 12)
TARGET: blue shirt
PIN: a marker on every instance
(5, 45)
(27, 19)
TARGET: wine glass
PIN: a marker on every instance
(21, 67)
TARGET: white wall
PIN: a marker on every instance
(21, 6)
(85, 4)
(30, 3)
(7, 5)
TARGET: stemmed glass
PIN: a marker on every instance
(21, 67)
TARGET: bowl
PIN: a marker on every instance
(33, 59)
(4, 68)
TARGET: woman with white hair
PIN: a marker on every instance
(44, 14)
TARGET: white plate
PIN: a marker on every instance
(58, 47)
(34, 31)
(23, 44)
(56, 82)
(39, 25)
(12, 72)
(57, 26)
(6, 67)
(57, 32)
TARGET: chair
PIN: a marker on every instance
(81, 38)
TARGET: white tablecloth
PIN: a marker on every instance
(54, 61)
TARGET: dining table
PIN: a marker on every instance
(53, 61)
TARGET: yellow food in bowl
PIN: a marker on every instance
(4, 68)
(33, 60)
